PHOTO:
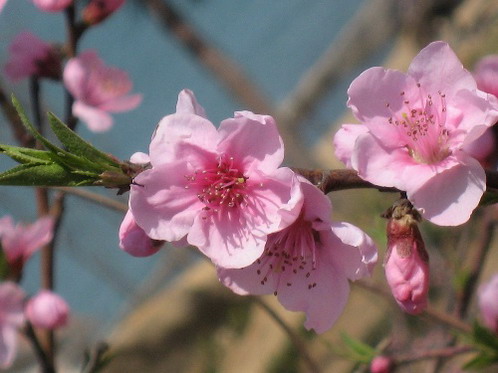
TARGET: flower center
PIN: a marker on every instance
(422, 125)
(221, 186)
(290, 255)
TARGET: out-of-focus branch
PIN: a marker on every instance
(95, 198)
(229, 73)
(486, 228)
(367, 32)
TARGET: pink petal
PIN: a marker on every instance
(450, 197)
(356, 253)
(122, 103)
(97, 120)
(161, 205)
(345, 140)
(181, 129)
(8, 346)
(378, 164)
(252, 140)
(437, 68)
(245, 281)
(187, 104)
(140, 158)
(133, 239)
(47, 310)
(75, 77)
(486, 74)
(322, 304)
(38, 234)
(2, 4)
(52, 5)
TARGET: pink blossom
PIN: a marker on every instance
(381, 364)
(488, 303)
(11, 319)
(52, 5)
(407, 263)
(19, 241)
(98, 10)
(417, 125)
(47, 310)
(98, 90)
(133, 239)
(31, 56)
(2, 4)
(486, 74)
(221, 189)
(307, 265)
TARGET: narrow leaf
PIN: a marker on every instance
(76, 145)
(43, 175)
(27, 155)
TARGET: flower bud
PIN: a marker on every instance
(98, 10)
(133, 239)
(381, 364)
(47, 310)
(407, 263)
(488, 303)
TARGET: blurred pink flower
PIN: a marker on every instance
(308, 264)
(133, 239)
(98, 10)
(47, 310)
(2, 4)
(19, 241)
(52, 5)
(417, 125)
(221, 189)
(486, 74)
(488, 303)
(11, 319)
(381, 364)
(31, 56)
(98, 90)
(407, 263)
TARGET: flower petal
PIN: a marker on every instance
(253, 140)
(97, 120)
(345, 140)
(187, 104)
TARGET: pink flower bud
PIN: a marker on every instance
(47, 310)
(407, 263)
(52, 5)
(381, 364)
(488, 303)
(133, 239)
(98, 10)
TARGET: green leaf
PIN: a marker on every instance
(76, 145)
(27, 155)
(481, 361)
(359, 351)
(4, 265)
(485, 337)
(43, 175)
(63, 157)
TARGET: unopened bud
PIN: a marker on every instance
(47, 310)
(488, 303)
(407, 263)
(98, 10)
(381, 364)
(134, 240)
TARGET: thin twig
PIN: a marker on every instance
(45, 362)
(95, 198)
(95, 357)
(295, 339)
(431, 354)
(478, 258)
(431, 313)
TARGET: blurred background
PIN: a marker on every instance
(292, 59)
